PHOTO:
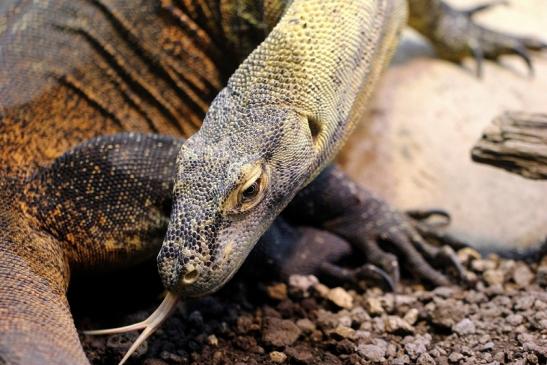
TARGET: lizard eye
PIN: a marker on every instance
(250, 192)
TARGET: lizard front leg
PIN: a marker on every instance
(107, 200)
(102, 205)
(335, 203)
(455, 35)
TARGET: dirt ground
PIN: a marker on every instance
(501, 318)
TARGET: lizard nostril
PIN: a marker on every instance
(190, 277)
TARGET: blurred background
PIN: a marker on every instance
(413, 147)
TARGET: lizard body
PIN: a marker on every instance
(71, 72)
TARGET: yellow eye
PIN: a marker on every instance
(250, 192)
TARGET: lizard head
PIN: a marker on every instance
(234, 177)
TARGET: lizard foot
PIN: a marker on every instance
(149, 325)
(387, 228)
(354, 275)
(455, 35)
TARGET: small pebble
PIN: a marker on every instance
(395, 324)
(522, 276)
(493, 277)
(415, 346)
(306, 325)
(374, 306)
(464, 327)
(302, 283)
(372, 352)
(278, 357)
(340, 297)
(277, 291)
(455, 357)
(212, 340)
(280, 332)
(425, 359)
(514, 319)
(411, 316)
(344, 332)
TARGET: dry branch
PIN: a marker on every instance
(516, 142)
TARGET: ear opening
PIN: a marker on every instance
(315, 129)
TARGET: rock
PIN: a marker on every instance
(455, 357)
(401, 360)
(326, 319)
(411, 316)
(277, 291)
(395, 324)
(359, 315)
(425, 359)
(415, 346)
(345, 347)
(482, 265)
(343, 318)
(340, 297)
(306, 325)
(532, 359)
(514, 319)
(343, 332)
(371, 352)
(302, 283)
(524, 302)
(322, 290)
(487, 346)
(374, 306)
(212, 340)
(388, 302)
(245, 323)
(464, 327)
(280, 332)
(301, 353)
(444, 291)
(446, 313)
(493, 277)
(522, 275)
(277, 357)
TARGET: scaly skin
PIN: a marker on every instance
(73, 71)
(256, 131)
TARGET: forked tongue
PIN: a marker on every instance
(150, 324)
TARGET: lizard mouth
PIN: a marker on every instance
(150, 324)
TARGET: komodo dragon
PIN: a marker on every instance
(73, 198)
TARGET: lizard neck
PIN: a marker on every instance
(325, 76)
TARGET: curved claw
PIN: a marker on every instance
(150, 324)
(391, 282)
(422, 215)
(447, 254)
(523, 53)
(478, 54)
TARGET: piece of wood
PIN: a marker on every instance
(516, 142)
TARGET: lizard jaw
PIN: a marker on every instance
(150, 324)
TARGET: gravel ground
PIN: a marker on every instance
(502, 318)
